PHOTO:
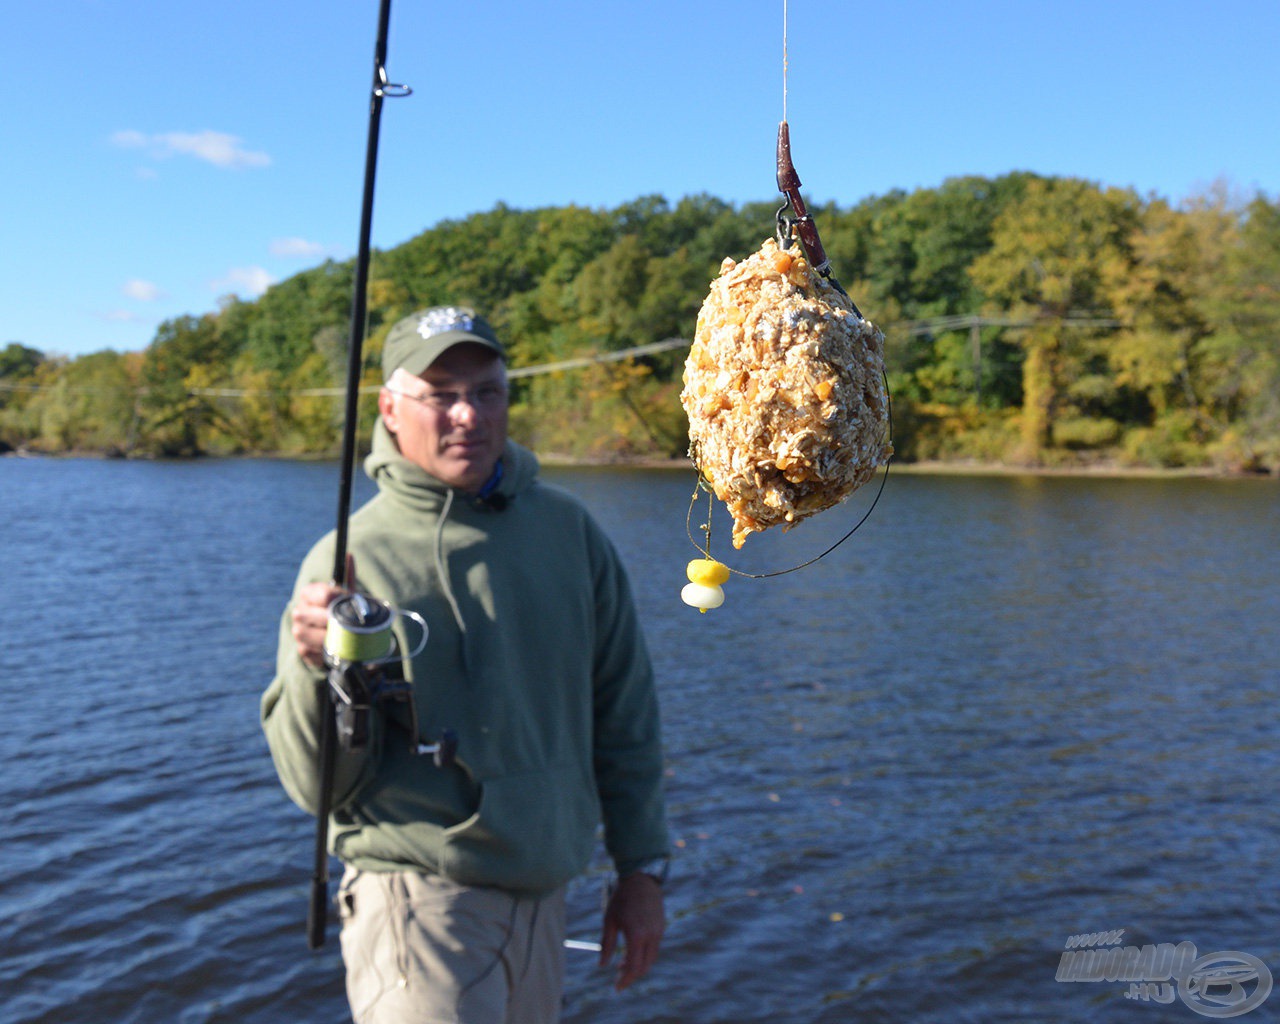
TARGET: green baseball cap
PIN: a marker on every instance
(417, 341)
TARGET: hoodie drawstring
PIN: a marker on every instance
(442, 570)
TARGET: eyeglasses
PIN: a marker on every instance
(485, 397)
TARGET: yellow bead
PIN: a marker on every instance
(707, 572)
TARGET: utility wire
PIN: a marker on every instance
(912, 327)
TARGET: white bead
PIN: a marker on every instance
(698, 596)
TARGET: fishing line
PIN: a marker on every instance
(784, 60)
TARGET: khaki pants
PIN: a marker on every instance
(423, 950)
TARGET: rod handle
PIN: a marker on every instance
(318, 913)
(318, 910)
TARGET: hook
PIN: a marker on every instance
(785, 225)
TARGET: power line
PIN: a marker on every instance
(916, 328)
(970, 320)
(520, 371)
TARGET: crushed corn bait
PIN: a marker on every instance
(785, 394)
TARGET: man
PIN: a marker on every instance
(453, 895)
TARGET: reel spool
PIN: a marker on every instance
(359, 630)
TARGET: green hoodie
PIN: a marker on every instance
(535, 658)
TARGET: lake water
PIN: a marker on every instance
(1007, 711)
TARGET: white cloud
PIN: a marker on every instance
(217, 148)
(250, 280)
(296, 247)
(129, 139)
(143, 291)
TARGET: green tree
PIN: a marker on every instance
(90, 405)
(289, 314)
(18, 367)
(18, 361)
(172, 417)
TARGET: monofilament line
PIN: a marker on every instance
(784, 60)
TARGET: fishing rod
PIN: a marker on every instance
(343, 673)
(359, 297)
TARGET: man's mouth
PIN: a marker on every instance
(464, 444)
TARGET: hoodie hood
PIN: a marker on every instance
(409, 485)
(412, 485)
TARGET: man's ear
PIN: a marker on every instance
(387, 409)
(387, 403)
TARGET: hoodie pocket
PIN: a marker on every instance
(531, 832)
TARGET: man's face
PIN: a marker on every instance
(452, 420)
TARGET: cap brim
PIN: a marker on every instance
(434, 347)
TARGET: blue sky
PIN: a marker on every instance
(157, 155)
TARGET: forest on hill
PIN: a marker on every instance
(1029, 321)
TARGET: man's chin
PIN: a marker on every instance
(466, 473)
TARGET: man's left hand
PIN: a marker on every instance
(635, 910)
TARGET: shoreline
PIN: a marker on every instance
(939, 467)
(560, 460)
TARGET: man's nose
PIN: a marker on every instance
(464, 411)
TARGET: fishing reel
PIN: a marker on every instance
(366, 669)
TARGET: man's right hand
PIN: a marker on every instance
(311, 616)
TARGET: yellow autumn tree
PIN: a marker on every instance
(1052, 252)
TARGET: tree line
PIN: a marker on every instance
(1031, 320)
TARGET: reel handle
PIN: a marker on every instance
(443, 753)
